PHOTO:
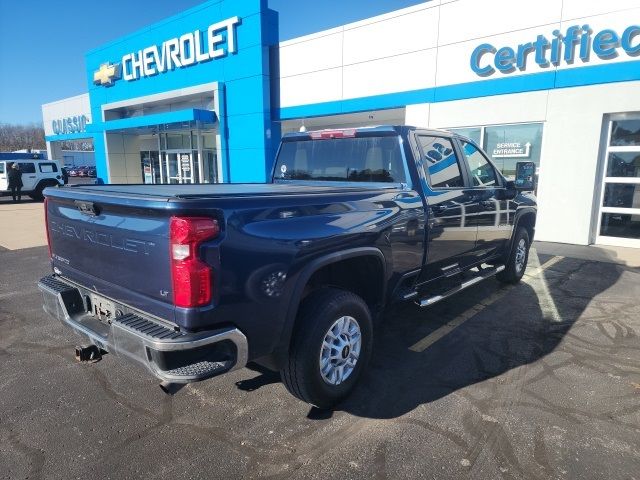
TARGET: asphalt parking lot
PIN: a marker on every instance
(536, 381)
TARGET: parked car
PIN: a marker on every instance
(36, 176)
(91, 172)
(193, 281)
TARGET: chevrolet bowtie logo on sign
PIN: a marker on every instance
(107, 74)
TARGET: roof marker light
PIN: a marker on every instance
(329, 134)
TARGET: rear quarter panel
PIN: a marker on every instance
(269, 242)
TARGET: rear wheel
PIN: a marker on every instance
(37, 193)
(517, 262)
(330, 347)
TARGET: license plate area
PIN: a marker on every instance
(102, 309)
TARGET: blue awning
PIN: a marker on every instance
(164, 121)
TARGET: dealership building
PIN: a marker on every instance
(204, 96)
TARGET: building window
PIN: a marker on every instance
(474, 133)
(507, 145)
(150, 162)
(619, 209)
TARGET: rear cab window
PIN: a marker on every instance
(345, 159)
(440, 162)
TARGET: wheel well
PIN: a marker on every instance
(362, 275)
(528, 221)
(47, 182)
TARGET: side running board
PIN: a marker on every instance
(482, 275)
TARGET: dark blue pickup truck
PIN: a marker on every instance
(196, 280)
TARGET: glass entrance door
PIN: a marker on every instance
(178, 167)
(619, 218)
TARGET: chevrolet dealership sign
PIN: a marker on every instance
(184, 51)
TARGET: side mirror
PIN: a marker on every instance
(525, 176)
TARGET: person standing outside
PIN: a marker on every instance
(15, 182)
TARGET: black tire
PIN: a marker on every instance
(515, 266)
(302, 374)
(37, 193)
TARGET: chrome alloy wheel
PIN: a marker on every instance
(521, 254)
(340, 350)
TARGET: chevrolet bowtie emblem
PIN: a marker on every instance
(107, 74)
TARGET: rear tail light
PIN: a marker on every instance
(192, 282)
(46, 225)
(327, 134)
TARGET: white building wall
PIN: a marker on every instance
(430, 45)
(571, 162)
(123, 152)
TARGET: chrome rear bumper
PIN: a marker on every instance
(170, 355)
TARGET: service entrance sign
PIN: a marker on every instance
(512, 150)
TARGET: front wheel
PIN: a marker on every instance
(330, 348)
(517, 262)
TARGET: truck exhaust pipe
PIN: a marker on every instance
(89, 353)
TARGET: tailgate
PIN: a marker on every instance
(114, 248)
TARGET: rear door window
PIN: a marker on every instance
(355, 159)
(1, 167)
(441, 164)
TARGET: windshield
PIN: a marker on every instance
(358, 159)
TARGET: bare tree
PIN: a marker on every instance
(17, 137)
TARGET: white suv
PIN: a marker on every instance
(36, 176)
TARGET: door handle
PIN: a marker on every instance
(438, 208)
(32, 176)
(487, 203)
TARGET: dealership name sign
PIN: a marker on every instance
(74, 124)
(577, 40)
(188, 49)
